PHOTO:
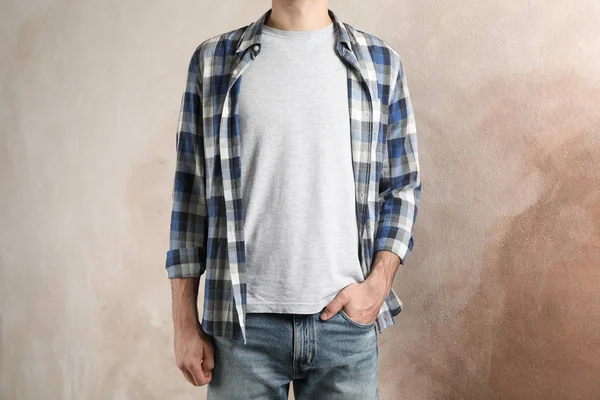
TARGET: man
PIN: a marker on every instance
(296, 190)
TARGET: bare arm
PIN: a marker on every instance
(194, 353)
(185, 296)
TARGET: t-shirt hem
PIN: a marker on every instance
(287, 308)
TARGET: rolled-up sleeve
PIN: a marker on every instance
(186, 256)
(400, 182)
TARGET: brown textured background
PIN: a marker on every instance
(501, 294)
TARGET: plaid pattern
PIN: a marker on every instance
(206, 232)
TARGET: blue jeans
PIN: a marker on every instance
(333, 359)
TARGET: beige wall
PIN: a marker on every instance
(501, 294)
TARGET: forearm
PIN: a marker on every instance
(185, 297)
(384, 267)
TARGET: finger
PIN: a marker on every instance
(198, 374)
(188, 376)
(333, 307)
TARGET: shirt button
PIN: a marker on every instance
(255, 47)
(235, 72)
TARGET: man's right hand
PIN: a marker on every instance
(194, 354)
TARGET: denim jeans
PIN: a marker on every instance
(333, 359)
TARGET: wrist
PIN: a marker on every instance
(186, 325)
(383, 270)
(379, 284)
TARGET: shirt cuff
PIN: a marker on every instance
(185, 262)
(398, 241)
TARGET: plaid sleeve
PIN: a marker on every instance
(187, 252)
(400, 182)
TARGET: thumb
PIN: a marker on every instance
(334, 306)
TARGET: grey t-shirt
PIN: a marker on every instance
(298, 187)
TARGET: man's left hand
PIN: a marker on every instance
(361, 301)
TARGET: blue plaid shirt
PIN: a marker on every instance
(206, 232)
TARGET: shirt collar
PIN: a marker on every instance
(252, 35)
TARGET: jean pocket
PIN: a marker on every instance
(355, 323)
